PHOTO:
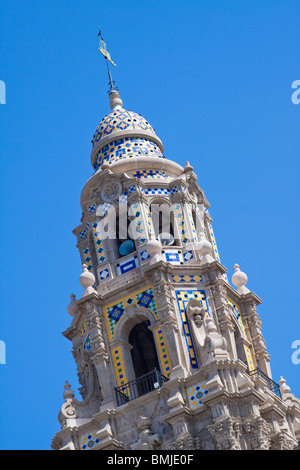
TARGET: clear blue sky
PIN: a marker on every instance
(214, 79)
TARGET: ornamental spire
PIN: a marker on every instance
(102, 48)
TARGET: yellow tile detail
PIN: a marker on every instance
(163, 352)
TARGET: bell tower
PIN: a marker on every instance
(169, 354)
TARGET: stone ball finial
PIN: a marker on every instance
(154, 247)
(284, 388)
(239, 280)
(73, 307)
(204, 249)
(87, 280)
(68, 393)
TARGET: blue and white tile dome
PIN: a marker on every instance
(122, 135)
(120, 120)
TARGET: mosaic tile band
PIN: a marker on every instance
(126, 148)
(214, 243)
(139, 224)
(98, 244)
(180, 219)
(195, 395)
(144, 298)
(119, 366)
(147, 174)
(87, 258)
(163, 353)
(187, 278)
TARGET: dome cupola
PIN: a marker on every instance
(123, 134)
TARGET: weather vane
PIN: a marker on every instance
(106, 54)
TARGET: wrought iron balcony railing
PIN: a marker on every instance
(273, 386)
(136, 388)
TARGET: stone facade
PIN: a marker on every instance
(212, 387)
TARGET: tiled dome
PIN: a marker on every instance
(119, 120)
(122, 135)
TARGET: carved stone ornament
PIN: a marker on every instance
(195, 311)
(111, 191)
(68, 410)
(147, 440)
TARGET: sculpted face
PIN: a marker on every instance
(197, 313)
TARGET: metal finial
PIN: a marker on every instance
(102, 48)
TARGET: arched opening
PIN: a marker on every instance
(143, 352)
(124, 241)
(164, 224)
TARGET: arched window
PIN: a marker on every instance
(124, 243)
(143, 352)
(198, 224)
(164, 223)
(239, 338)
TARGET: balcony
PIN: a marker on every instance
(273, 386)
(138, 387)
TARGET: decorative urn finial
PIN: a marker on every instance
(239, 280)
(73, 307)
(205, 249)
(87, 280)
(284, 388)
(68, 393)
(154, 248)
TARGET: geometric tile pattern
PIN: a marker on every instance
(127, 265)
(126, 148)
(132, 189)
(213, 240)
(156, 191)
(119, 366)
(138, 222)
(179, 217)
(237, 314)
(144, 255)
(149, 218)
(195, 395)
(113, 315)
(113, 312)
(104, 274)
(187, 278)
(188, 255)
(163, 353)
(146, 174)
(84, 232)
(146, 299)
(190, 215)
(98, 243)
(183, 297)
(87, 259)
(92, 208)
(172, 256)
(119, 120)
(88, 441)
